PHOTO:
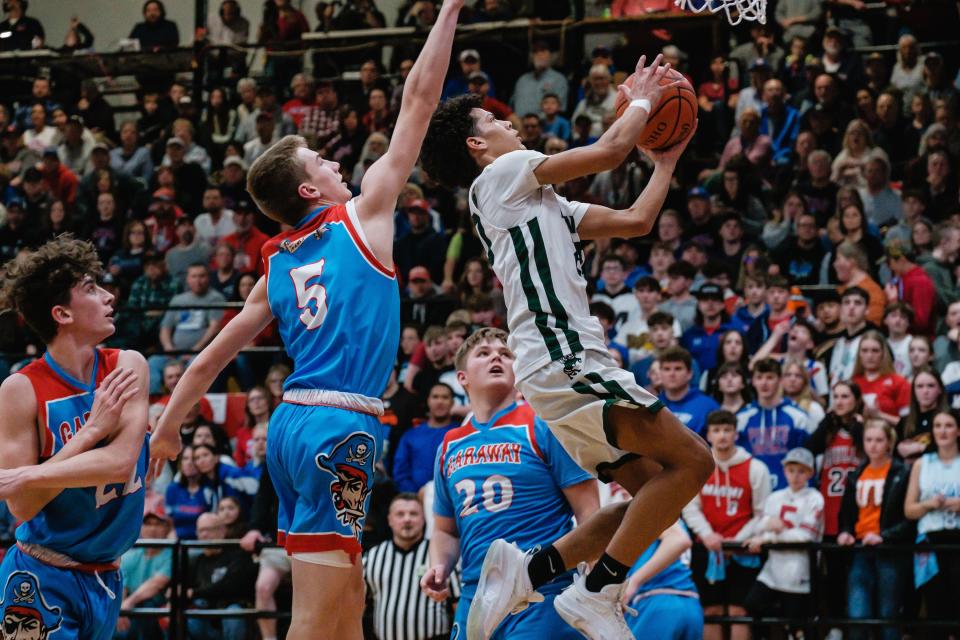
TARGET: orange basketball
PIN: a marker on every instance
(672, 119)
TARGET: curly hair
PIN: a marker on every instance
(444, 155)
(36, 281)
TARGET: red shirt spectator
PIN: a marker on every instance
(61, 182)
(914, 287)
(247, 240)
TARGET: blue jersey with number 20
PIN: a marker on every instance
(503, 479)
(337, 306)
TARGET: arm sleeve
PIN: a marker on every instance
(576, 209)
(504, 186)
(563, 469)
(442, 503)
(693, 516)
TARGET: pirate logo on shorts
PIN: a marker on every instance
(351, 463)
(26, 615)
(572, 365)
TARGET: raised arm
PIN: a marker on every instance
(384, 180)
(255, 315)
(638, 220)
(110, 464)
(615, 144)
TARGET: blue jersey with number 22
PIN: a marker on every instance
(337, 306)
(503, 479)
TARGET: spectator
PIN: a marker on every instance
(911, 285)
(423, 245)
(886, 395)
(220, 578)
(39, 136)
(393, 582)
(95, 111)
(189, 177)
(257, 455)
(187, 252)
(478, 83)
(771, 425)
(779, 122)
(227, 26)
(907, 73)
(218, 123)
(131, 157)
(322, 122)
(283, 24)
(105, 230)
(852, 267)
(881, 204)
(687, 403)
(735, 196)
(928, 397)
(187, 497)
(797, 387)
(933, 499)
(371, 77)
(792, 514)
(533, 86)
(897, 318)
(378, 118)
(702, 339)
(233, 181)
(798, 18)
(146, 575)
(598, 101)
(751, 96)
(304, 96)
(615, 291)
(681, 304)
(216, 223)
(155, 33)
(761, 46)
(458, 85)
(938, 264)
(776, 312)
(192, 329)
(18, 31)
(153, 289)
(858, 149)
(247, 240)
(872, 514)
(728, 508)
(282, 123)
(224, 276)
(413, 463)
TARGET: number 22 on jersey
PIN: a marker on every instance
(307, 293)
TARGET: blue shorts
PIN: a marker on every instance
(538, 621)
(667, 616)
(67, 604)
(321, 462)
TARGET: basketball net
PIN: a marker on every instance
(737, 10)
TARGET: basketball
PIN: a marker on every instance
(672, 119)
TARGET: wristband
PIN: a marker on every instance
(643, 103)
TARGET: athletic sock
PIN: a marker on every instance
(606, 571)
(545, 565)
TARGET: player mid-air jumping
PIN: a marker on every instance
(73, 450)
(330, 283)
(610, 425)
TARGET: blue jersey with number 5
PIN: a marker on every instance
(503, 479)
(337, 306)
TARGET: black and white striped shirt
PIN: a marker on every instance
(400, 610)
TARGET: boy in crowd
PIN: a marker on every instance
(616, 293)
(755, 302)
(728, 509)
(771, 425)
(853, 317)
(554, 124)
(662, 335)
(703, 338)
(777, 312)
(661, 257)
(799, 346)
(689, 404)
(792, 514)
(438, 362)
(681, 304)
(897, 318)
(634, 333)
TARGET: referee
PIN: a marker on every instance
(392, 572)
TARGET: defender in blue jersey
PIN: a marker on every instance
(330, 283)
(661, 592)
(502, 475)
(73, 450)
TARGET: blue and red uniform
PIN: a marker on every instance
(338, 313)
(81, 533)
(505, 479)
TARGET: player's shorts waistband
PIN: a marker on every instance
(339, 399)
(63, 561)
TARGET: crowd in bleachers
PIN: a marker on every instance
(814, 164)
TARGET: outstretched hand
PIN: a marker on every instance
(646, 83)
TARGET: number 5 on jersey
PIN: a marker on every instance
(491, 501)
(307, 293)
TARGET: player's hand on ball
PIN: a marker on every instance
(109, 400)
(434, 583)
(646, 85)
(672, 155)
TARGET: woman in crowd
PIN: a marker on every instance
(730, 348)
(218, 123)
(187, 497)
(374, 147)
(852, 269)
(732, 392)
(921, 353)
(58, 220)
(921, 110)
(796, 386)
(258, 412)
(230, 512)
(886, 396)
(927, 399)
(216, 439)
(127, 264)
(345, 146)
(847, 169)
(871, 514)
(276, 376)
(222, 479)
(780, 226)
(478, 277)
(933, 499)
(921, 237)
